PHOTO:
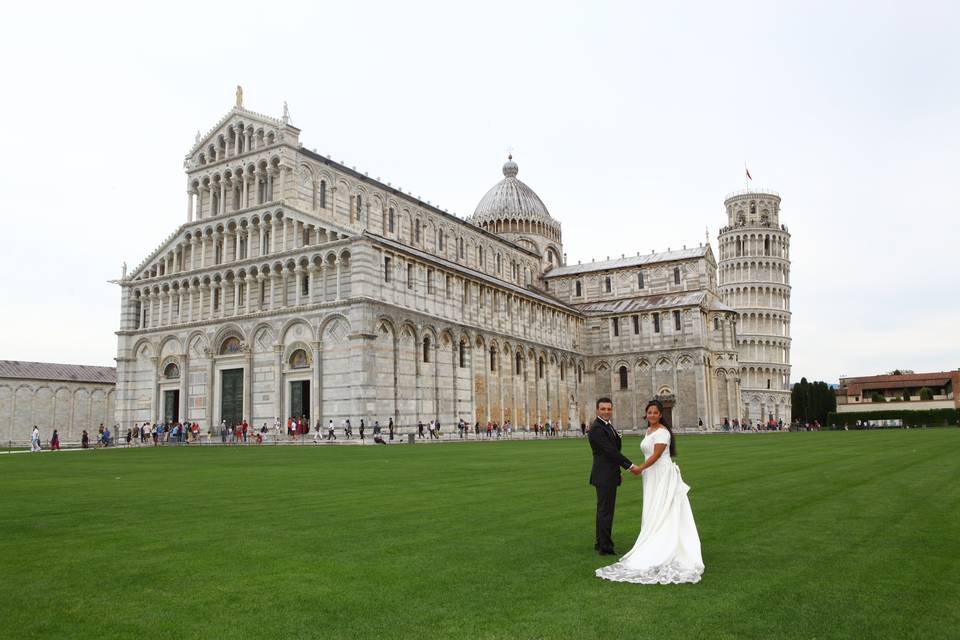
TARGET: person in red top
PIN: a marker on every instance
(244, 427)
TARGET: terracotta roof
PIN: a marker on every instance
(855, 386)
(53, 371)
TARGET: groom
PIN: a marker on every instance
(605, 474)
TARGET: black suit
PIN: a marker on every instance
(605, 476)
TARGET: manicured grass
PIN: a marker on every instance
(806, 535)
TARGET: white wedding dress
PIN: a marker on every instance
(667, 550)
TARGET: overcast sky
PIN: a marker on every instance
(631, 121)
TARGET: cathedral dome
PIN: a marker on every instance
(511, 199)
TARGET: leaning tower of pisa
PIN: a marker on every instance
(754, 279)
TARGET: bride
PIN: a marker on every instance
(667, 550)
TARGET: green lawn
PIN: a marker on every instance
(805, 535)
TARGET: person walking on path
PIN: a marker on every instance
(35, 439)
(55, 441)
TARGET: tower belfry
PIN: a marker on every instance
(754, 278)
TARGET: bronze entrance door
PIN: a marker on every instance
(171, 406)
(300, 399)
(231, 396)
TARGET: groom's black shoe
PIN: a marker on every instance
(606, 552)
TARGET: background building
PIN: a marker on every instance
(912, 392)
(66, 397)
(300, 287)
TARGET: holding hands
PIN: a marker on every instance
(635, 470)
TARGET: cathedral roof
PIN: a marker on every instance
(653, 303)
(53, 371)
(629, 261)
(510, 198)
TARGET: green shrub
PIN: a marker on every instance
(877, 397)
(924, 417)
(926, 394)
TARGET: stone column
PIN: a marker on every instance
(222, 208)
(213, 295)
(184, 386)
(244, 192)
(298, 276)
(190, 304)
(248, 385)
(247, 285)
(160, 307)
(155, 389)
(285, 278)
(315, 403)
(211, 388)
(338, 279)
(203, 288)
(278, 389)
(189, 205)
(311, 272)
(236, 245)
(236, 296)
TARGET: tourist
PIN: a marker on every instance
(390, 429)
(129, 436)
(361, 429)
(85, 440)
(35, 439)
(476, 430)
(277, 427)
(378, 439)
(347, 430)
(317, 436)
(376, 427)
(432, 434)
(55, 441)
(106, 437)
(420, 429)
(331, 435)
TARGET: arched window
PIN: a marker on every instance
(519, 365)
(766, 246)
(299, 360)
(480, 257)
(463, 354)
(416, 232)
(229, 346)
(540, 368)
(579, 286)
(607, 285)
(440, 240)
(426, 349)
(390, 220)
(640, 280)
(623, 378)
(499, 264)
(676, 275)
(463, 252)
(171, 371)
(323, 194)
(493, 358)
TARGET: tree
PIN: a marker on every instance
(926, 394)
(877, 397)
(812, 401)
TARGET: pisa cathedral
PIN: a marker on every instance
(298, 286)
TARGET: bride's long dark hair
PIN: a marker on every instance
(673, 441)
